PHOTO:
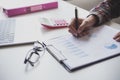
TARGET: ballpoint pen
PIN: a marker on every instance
(76, 18)
(16, 44)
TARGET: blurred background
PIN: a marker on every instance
(89, 4)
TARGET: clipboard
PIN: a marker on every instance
(74, 54)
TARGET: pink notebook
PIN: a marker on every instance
(30, 9)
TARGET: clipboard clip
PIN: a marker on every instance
(56, 53)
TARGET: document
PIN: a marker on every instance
(75, 53)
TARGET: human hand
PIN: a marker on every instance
(84, 26)
(117, 37)
(72, 26)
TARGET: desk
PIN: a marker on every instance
(12, 58)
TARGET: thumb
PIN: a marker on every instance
(82, 26)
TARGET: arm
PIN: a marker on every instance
(106, 11)
(102, 13)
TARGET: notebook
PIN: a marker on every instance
(24, 7)
(16, 32)
(76, 53)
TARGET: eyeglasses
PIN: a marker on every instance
(34, 54)
(38, 50)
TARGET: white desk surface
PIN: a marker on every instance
(12, 58)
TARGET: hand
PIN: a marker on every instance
(84, 26)
(117, 37)
(72, 26)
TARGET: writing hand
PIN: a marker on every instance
(117, 37)
(84, 26)
(72, 27)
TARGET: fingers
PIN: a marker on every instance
(84, 33)
(72, 27)
(73, 22)
(82, 30)
(82, 26)
(73, 31)
(117, 37)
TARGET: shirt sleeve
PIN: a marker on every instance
(106, 10)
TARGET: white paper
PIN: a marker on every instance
(93, 47)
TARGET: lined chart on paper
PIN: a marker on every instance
(95, 44)
(66, 44)
(110, 45)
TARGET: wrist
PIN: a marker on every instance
(94, 20)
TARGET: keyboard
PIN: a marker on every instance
(7, 31)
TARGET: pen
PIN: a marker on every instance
(76, 18)
(16, 44)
